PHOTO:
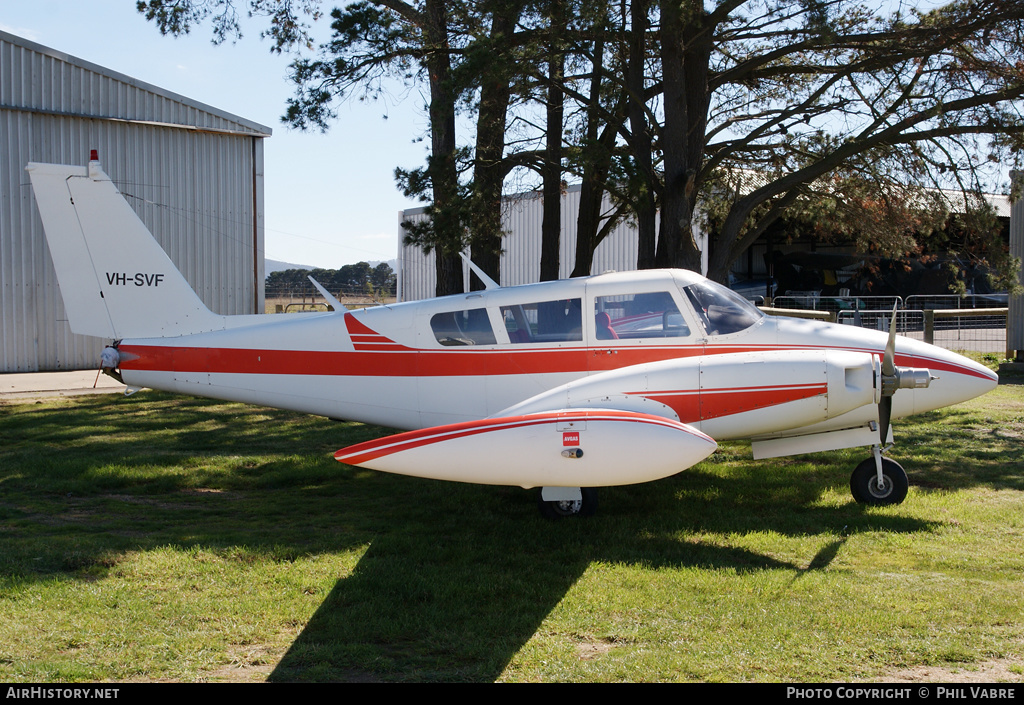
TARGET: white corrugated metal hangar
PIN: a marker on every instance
(193, 173)
(520, 256)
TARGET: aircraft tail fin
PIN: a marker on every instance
(116, 280)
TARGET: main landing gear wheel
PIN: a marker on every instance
(866, 490)
(559, 509)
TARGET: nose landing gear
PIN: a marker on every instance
(868, 487)
(878, 480)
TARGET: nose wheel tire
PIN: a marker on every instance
(866, 489)
(560, 509)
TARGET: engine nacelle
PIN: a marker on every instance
(736, 395)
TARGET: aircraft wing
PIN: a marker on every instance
(632, 424)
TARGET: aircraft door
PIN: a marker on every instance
(628, 327)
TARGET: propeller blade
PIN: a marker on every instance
(888, 360)
(888, 382)
(884, 415)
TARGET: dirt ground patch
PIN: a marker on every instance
(1002, 671)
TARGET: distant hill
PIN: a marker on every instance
(272, 265)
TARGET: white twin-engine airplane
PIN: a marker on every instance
(567, 386)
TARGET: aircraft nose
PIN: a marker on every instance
(956, 378)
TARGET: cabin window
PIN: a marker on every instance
(469, 327)
(631, 316)
(544, 321)
(721, 311)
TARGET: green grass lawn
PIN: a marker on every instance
(175, 539)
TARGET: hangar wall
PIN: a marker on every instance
(522, 215)
(194, 175)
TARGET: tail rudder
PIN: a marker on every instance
(116, 280)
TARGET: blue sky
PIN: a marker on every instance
(330, 198)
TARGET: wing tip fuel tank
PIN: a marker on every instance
(606, 447)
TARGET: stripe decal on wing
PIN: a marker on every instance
(370, 450)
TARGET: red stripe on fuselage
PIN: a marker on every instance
(383, 363)
(357, 327)
(901, 359)
(693, 405)
(394, 360)
(377, 355)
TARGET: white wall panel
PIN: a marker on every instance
(520, 257)
(194, 175)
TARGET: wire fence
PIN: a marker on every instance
(300, 298)
(975, 323)
(970, 323)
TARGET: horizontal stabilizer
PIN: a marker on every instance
(567, 448)
(115, 279)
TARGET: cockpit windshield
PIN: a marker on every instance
(721, 311)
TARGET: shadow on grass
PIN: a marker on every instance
(456, 579)
(462, 609)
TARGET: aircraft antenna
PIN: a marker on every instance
(337, 305)
(488, 282)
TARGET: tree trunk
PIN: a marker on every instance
(685, 52)
(640, 134)
(489, 169)
(551, 222)
(448, 231)
(596, 163)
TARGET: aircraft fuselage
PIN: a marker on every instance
(465, 357)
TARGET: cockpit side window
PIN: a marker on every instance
(544, 321)
(721, 311)
(633, 316)
(469, 327)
